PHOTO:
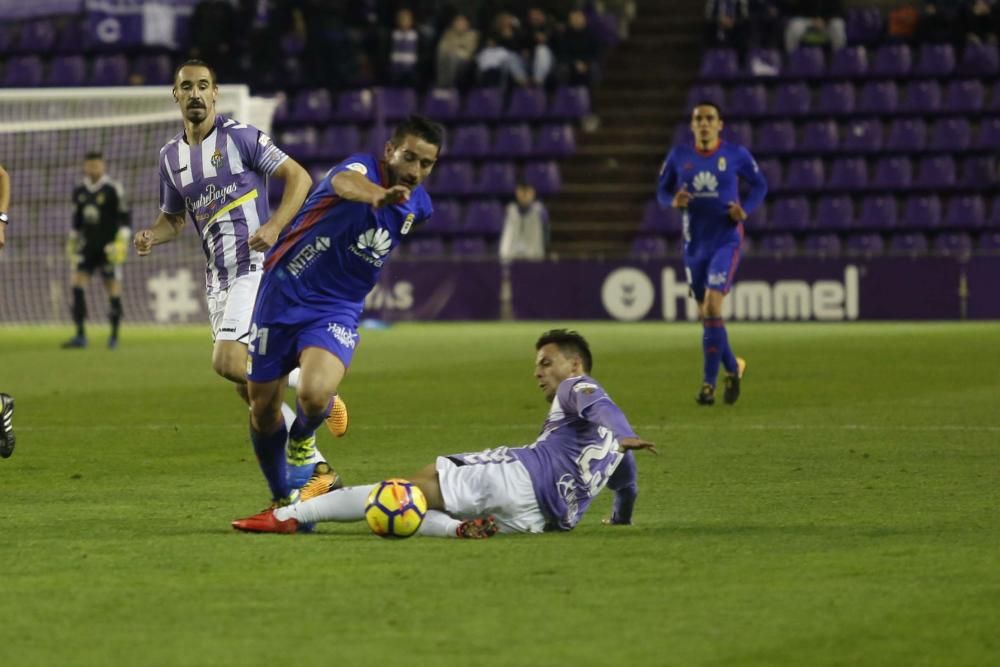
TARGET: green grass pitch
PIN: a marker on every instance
(845, 512)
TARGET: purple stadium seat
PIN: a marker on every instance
(989, 242)
(338, 141)
(862, 136)
(790, 213)
(911, 244)
(979, 60)
(38, 36)
(453, 179)
(965, 212)
(878, 212)
(719, 64)
(953, 244)
(865, 25)
(569, 102)
(649, 247)
(951, 134)
(470, 246)
(848, 174)
(822, 245)
(311, 106)
(446, 219)
(747, 100)
(66, 71)
(792, 99)
(469, 141)
(544, 177)
(778, 245)
(989, 133)
(109, 71)
(994, 219)
(430, 246)
(849, 62)
(836, 98)
(994, 104)
(808, 62)
(893, 173)
(922, 97)
(738, 132)
(907, 134)
(556, 140)
(483, 104)
(711, 92)
(835, 212)
(936, 172)
(805, 174)
(22, 72)
(880, 97)
(513, 141)
(299, 142)
(922, 212)
(355, 106)
(155, 70)
(936, 60)
(772, 171)
(865, 245)
(483, 216)
(656, 220)
(979, 172)
(70, 38)
(496, 179)
(892, 61)
(526, 104)
(965, 96)
(441, 104)
(776, 136)
(396, 103)
(819, 137)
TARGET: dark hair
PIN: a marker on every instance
(422, 127)
(709, 103)
(93, 155)
(194, 62)
(569, 343)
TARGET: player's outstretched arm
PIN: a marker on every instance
(353, 186)
(167, 227)
(627, 444)
(297, 183)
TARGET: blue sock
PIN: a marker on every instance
(270, 450)
(305, 425)
(728, 358)
(712, 343)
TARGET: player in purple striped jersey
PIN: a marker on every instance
(703, 181)
(317, 276)
(584, 446)
(216, 172)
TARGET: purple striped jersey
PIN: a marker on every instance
(222, 184)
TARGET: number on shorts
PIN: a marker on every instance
(258, 340)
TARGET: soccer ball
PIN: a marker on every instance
(395, 508)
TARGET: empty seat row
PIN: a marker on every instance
(75, 70)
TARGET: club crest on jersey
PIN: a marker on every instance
(217, 158)
(407, 224)
(722, 164)
(706, 184)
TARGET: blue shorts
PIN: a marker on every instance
(713, 268)
(275, 348)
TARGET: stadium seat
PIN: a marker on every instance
(792, 99)
(936, 172)
(569, 103)
(965, 96)
(155, 70)
(338, 141)
(772, 171)
(864, 25)
(862, 136)
(470, 246)
(299, 142)
(37, 36)
(544, 177)
(950, 134)
(453, 179)
(989, 133)
(427, 247)
(526, 104)
(66, 71)
(808, 62)
(483, 216)
(719, 64)
(989, 242)
(378, 135)
(936, 60)
(849, 62)
(469, 141)
(763, 62)
(22, 72)
(777, 136)
(496, 179)
(922, 212)
(665, 221)
(836, 98)
(865, 245)
(965, 212)
(911, 244)
(705, 93)
(979, 172)
(994, 219)
(822, 245)
(921, 97)
(778, 245)
(878, 212)
(111, 70)
(893, 173)
(483, 104)
(953, 244)
(906, 134)
(649, 247)
(738, 132)
(354, 106)
(790, 213)
(878, 97)
(819, 137)
(848, 174)
(311, 106)
(441, 104)
(805, 174)
(396, 103)
(446, 219)
(980, 60)
(834, 212)
(513, 141)
(70, 34)
(892, 61)
(747, 100)
(555, 140)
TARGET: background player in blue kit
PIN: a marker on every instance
(315, 282)
(703, 181)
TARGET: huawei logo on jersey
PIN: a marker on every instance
(375, 241)
(706, 184)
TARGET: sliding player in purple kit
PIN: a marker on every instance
(585, 445)
(315, 282)
(703, 182)
(216, 171)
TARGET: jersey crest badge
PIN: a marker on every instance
(407, 224)
(722, 164)
(217, 158)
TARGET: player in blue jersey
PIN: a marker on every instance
(584, 446)
(317, 276)
(702, 180)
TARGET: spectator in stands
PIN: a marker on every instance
(525, 232)
(623, 11)
(456, 52)
(579, 50)
(979, 21)
(537, 52)
(815, 23)
(727, 23)
(214, 33)
(497, 65)
(404, 51)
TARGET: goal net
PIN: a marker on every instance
(44, 135)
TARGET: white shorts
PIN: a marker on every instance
(230, 311)
(502, 490)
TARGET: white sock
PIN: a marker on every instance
(439, 524)
(293, 378)
(346, 504)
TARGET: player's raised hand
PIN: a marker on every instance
(397, 194)
(143, 242)
(682, 198)
(736, 212)
(636, 444)
(265, 237)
